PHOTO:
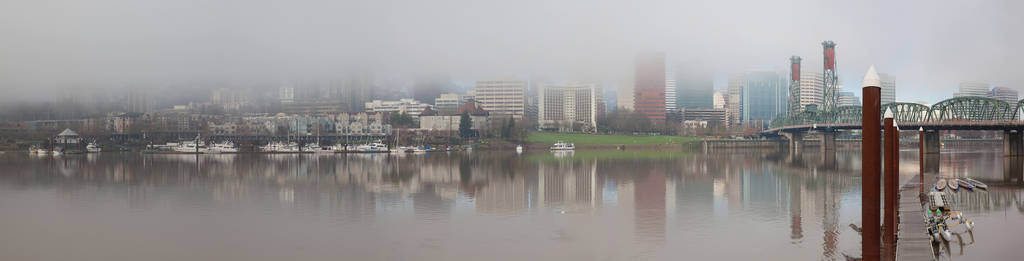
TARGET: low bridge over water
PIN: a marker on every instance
(961, 113)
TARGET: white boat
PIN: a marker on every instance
(280, 147)
(93, 147)
(191, 147)
(519, 148)
(35, 149)
(563, 146)
(223, 147)
(372, 147)
(315, 148)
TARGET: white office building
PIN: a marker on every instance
(973, 89)
(407, 106)
(502, 97)
(448, 103)
(812, 88)
(569, 107)
(888, 88)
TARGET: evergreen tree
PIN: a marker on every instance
(465, 126)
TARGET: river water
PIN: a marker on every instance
(588, 205)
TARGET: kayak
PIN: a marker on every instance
(940, 185)
(977, 184)
(954, 184)
(965, 184)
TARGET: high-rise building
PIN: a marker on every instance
(649, 85)
(1006, 94)
(811, 89)
(695, 87)
(888, 88)
(624, 98)
(849, 99)
(734, 99)
(760, 97)
(569, 107)
(974, 89)
(502, 97)
(671, 97)
(448, 103)
(719, 99)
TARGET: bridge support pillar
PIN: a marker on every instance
(796, 141)
(828, 141)
(1013, 143)
(930, 141)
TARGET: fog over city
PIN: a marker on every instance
(65, 46)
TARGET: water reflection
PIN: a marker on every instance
(482, 205)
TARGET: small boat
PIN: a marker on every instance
(223, 147)
(372, 147)
(93, 147)
(519, 148)
(36, 149)
(965, 184)
(977, 184)
(563, 146)
(940, 185)
(954, 184)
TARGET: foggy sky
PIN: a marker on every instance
(49, 46)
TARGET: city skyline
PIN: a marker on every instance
(258, 44)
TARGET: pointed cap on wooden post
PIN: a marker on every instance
(872, 78)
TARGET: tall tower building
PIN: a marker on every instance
(649, 85)
(811, 89)
(888, 88)
(696, 87)
(734, 99)
(760, 97)
(794, 85)
(671, 98)
(831, 78)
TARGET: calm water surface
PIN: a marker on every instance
(590, 205)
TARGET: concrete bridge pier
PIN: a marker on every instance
(796, 141)
(931, 142)
(1013, 143)
(828, 141)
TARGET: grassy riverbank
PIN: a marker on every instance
(597, 139)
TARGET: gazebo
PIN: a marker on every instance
(68, 136)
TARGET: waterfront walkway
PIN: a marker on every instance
(912, 238)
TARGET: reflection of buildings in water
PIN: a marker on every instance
(650, 205)
(996, 198)
(569, 184)
(796, 190)
(503, 195)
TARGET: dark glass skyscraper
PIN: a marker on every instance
(762, 96)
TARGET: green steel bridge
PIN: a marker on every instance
(961, 113)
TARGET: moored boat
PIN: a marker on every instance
(519, 148)
(223, 147)
(954, 184)
(372, 147)
(563, 146)
(93, 147)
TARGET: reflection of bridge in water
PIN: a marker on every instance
(961, 113)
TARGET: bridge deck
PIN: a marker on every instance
(913, 242)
